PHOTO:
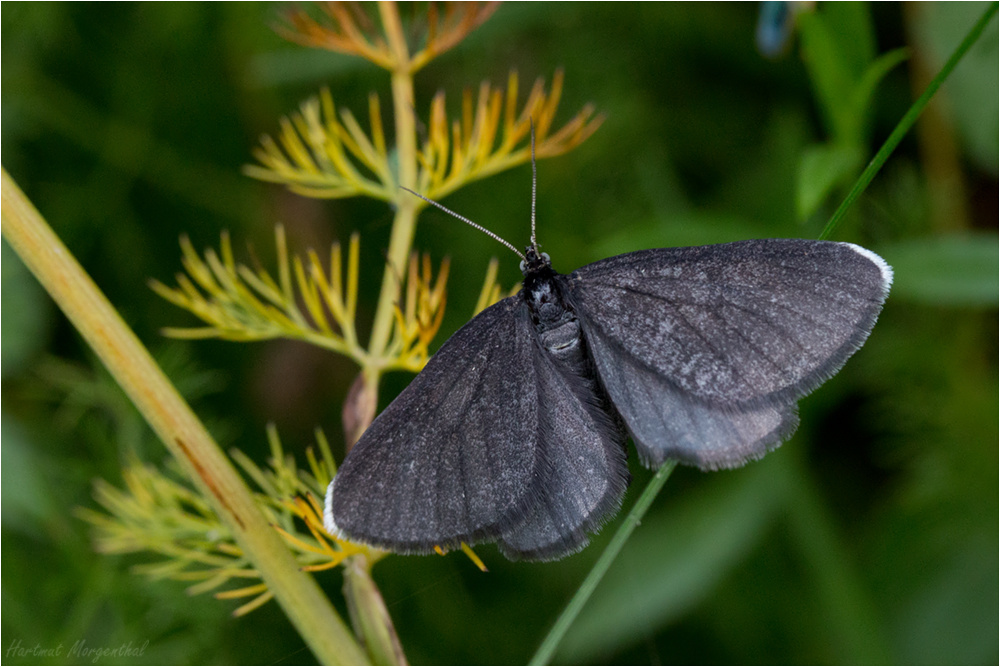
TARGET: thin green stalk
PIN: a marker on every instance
(854, 616)
(404, 226)
(405, 222)
(548, 647)
(908, 120)
(176, 425)
(368, 612)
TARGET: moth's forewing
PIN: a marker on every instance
(701, 346)
(455, 457)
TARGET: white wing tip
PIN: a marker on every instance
(328, 522)
(882, 265)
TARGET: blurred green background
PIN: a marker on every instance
(870, 537)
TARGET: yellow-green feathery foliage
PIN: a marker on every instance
(160, 514)
(318, 154)
(322, 151)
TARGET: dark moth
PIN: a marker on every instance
(515, 431)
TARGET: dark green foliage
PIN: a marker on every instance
(870, 537)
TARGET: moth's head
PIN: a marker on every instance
(534, 261)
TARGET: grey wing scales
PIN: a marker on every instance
(585, 469)
(667, 424)
(455, 457)
(704, 351)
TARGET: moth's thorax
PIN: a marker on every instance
(555, 322)
(545, 300)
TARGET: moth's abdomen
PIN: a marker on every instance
(563, 342)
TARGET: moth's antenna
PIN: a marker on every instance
(468, 222)
(534, 181)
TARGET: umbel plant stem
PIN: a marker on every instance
(176, 425)
(405, 221)
(319, 153)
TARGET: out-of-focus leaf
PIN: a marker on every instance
(27, 314)
(972, 89)
(28, 504)
(939, 625)
(830, 82)
(675, 559)
(851, 23)
(837, 49)
(865, 88)
(955, 270)
(822, 169)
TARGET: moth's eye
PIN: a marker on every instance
(546, 257)
(523, 266)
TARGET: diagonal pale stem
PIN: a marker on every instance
(176, 425)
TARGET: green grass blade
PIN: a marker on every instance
(908, 120)
(548, 647)
(551, 642)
